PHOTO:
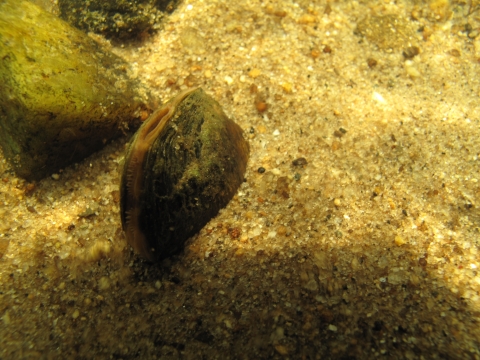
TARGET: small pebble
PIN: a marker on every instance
(282, 187)
(287, 87)
(301, 161)
(399, 241)
(261, 170)
(378, 97)
(411, 52)
(55, 176)
(235, 232)
(315, 53)
(76, 314)
(103, 283)
(282, 350)
(261, 106)
(338, 134)
(454, 52)
(336, 145)
(412, 71)
(306, 19)
(473, 34)
(254, 73)
(371, 63)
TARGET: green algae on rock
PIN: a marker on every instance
(116, 19)
(182, 166)
(62, 96)
(387, 32)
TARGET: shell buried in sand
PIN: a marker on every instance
(182, 166)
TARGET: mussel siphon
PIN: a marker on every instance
(182, 166)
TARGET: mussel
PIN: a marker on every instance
(182, 166)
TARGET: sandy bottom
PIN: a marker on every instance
(360, 239)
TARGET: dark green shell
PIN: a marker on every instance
(190, 172)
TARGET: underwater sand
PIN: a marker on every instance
(368, 250)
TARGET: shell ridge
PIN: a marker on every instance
(135, 235)
(134, 172)
(155, 125)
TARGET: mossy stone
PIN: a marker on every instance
(62, 96)
(388, 32)
(116, 19)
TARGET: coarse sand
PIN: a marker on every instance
(354, 236)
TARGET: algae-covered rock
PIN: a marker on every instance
(388, 32)
(61, 96)
(117, 19)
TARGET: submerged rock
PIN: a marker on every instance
(116, 19)
(388, 32)
(62, 96)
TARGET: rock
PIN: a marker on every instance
(62, 96)
(116, 19)
(388, 32)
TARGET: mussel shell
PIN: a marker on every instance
(190, 171)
